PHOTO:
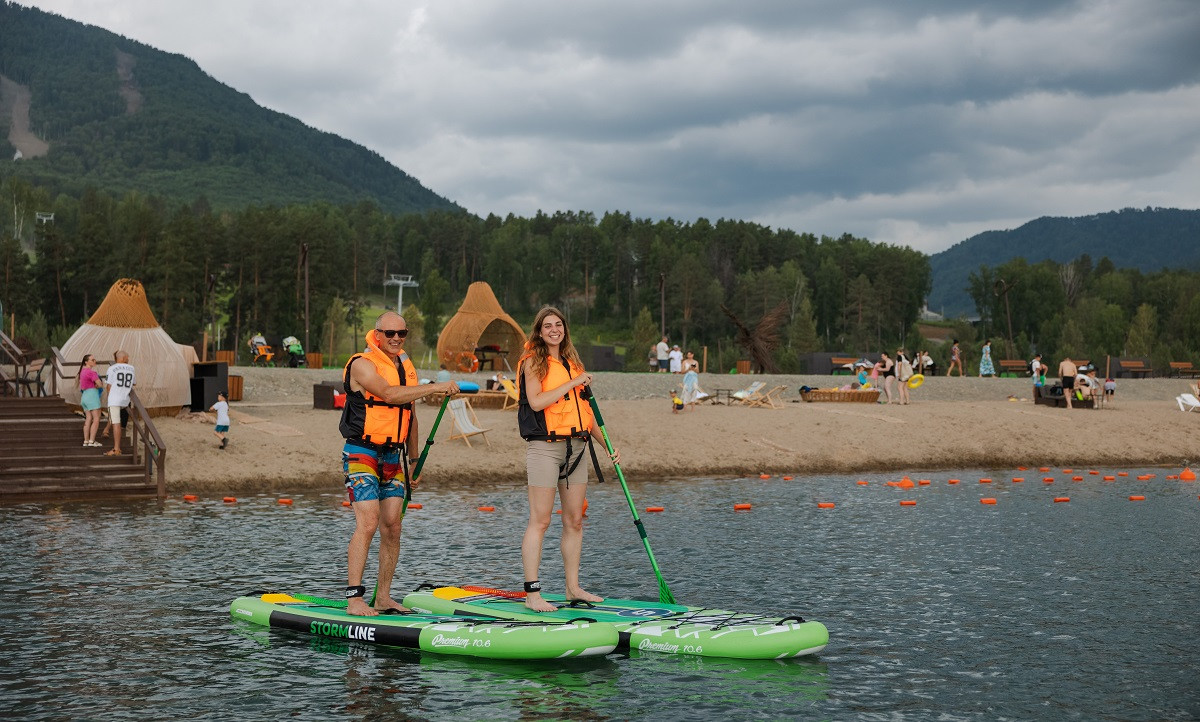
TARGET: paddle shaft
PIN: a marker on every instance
(664, 593)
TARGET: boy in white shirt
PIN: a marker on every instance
(119, 381)
(222, 408)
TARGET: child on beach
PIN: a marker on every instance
(222, 409)
(1110, 390)
(676, 402)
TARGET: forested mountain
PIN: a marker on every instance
(121, 116)
(1148, 240)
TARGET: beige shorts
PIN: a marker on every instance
(543, 460)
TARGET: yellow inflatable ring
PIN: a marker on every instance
(916, 380)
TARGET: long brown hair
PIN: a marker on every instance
(82, 366)
(537, 346)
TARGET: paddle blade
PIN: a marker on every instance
(467, 387)
(664, 594)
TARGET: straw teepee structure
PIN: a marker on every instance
(480, 324)
(124, 322)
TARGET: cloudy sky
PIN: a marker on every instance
(913, 122)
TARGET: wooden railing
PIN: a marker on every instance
(151, 452)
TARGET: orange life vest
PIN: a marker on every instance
(570, 416)
(368, 418)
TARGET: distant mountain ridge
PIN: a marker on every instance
(1148, 239)
(122, 116)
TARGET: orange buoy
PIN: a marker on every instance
(1076, 478)
(1172, 476)
(1022, 468)
(1144, 477)
(1187, 475)
(1048, 479)
(787, 478)
(345, 503)
(952, 481)
(1060, 499)
(1110, 478)
(487, 508)
(908, 502)
(1043, 469)
(415, 506)
(1093, 472)
(906, 483)
(923, 482)
(1137, 497)
(987, 500)
(229, 499)
(764, 476)
(864, 483)
(1068, 471)
(654, 509)
(741, 507)
(285, 501)
(985, 481)
(825, 504)
(190, 497)
(1018, 479)
(1122, 473)
(892, 483)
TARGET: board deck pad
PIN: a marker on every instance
(470, 636)
(643, 625)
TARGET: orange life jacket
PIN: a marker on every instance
(368, 418)
(570, 416)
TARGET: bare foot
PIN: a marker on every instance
(579, 595)
(357, 607)
(388, 605)
(534, 601)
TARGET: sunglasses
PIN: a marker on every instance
(402, 333)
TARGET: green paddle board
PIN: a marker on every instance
(645, 626)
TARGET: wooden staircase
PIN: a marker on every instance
(42, 457)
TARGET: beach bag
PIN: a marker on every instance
(906, 370)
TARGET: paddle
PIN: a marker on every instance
(664, 594)
(464, 387)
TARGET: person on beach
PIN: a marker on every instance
(556, 421)
(676, 402)
(675, 357)
(89, 400)
(380, 429)
(955, 359)
(692, 393)
(1110, 390)
(1087, 387)
(221, 408)
(887, 369)
(690, 363)
(653, 358)
(662, 353)
(1037, 371)
(1067, 372)
(120, 380)
(904, 372)
(986, 368)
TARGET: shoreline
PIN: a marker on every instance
(278, 442)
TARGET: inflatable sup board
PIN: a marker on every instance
(646, 626)
(474, 637)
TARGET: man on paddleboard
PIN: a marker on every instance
(380, 428)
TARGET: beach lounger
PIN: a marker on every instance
(513, 396)
(1187, 402)
(749, 394)
(770, 399)
(463, 422)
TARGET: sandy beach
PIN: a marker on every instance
(278, 442)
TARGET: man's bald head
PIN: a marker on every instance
(121, 357)
(388, 318)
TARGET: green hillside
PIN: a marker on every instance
(122, 116)
(1148, 240)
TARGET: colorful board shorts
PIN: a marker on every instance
(372, 474)
(90, 399)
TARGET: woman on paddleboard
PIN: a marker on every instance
(556, 422)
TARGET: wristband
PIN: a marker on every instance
(534, 586)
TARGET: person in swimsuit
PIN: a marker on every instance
(955, 359)
(1067, 372)
(887, 369)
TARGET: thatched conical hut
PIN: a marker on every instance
(481, 334)
(125, 322)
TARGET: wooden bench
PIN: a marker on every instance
(1013, 367)
(1184, 368)
(840, 361)
(1133, 368)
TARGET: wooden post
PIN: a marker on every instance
(704, 364)
(204, 349)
